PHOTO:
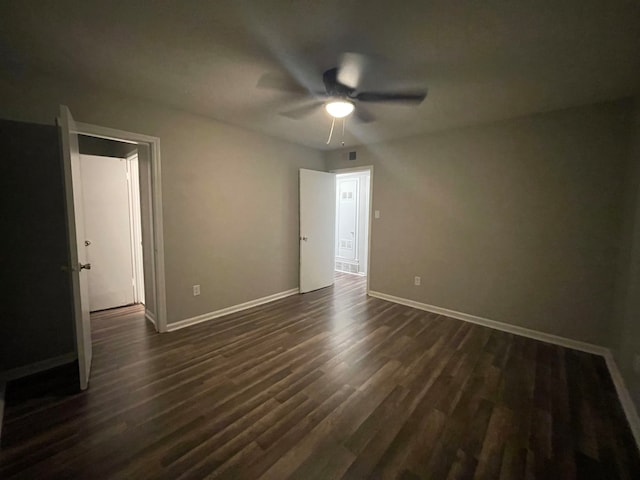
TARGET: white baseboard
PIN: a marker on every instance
(505, 327)
(226, 311)
(37, 367)
(151, 317)
(623, 393)
(624, 396)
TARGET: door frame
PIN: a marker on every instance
(135, 226)
(364, 168)
(157, 238)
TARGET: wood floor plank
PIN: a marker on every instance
(329, 384)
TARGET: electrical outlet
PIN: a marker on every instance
(196, 290)
(636, 363)
(416, 281)
(376, 213)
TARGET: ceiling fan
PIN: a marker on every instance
(342, 95)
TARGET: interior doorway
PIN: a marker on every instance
(353, 212)
(151, 223)
(322, 195)
(111, 198)
(142, 155)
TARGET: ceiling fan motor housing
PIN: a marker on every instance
(333, 87)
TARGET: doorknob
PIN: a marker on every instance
(85, 266)
(87, 243)
(304, 239)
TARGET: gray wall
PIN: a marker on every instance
(625, 328)
(517, 221)
(230, 196)
(36, 322)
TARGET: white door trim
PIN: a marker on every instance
(157, 249)
(135, 219)
(365, 168)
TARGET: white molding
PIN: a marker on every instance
(233, 309)
(341, 171)
(624, 396)
(158, 236)
(112, 133)
(505, 327)
(157, 248)
(347, 260)
(135, 222)
(151, 317)
(37, 367)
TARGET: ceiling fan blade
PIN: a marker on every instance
(351, 69)
(363, 115)
(301, 112)
(283, 83)
(408, 97)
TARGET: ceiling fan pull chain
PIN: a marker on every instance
(333, 122)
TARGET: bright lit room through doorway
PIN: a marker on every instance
(352, 221)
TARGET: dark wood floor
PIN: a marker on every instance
(330, 384)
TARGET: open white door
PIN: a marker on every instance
(317, 229)
(77, 248)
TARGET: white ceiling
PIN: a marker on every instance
(481, 61)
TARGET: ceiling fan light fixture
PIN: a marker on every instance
(339, 108)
